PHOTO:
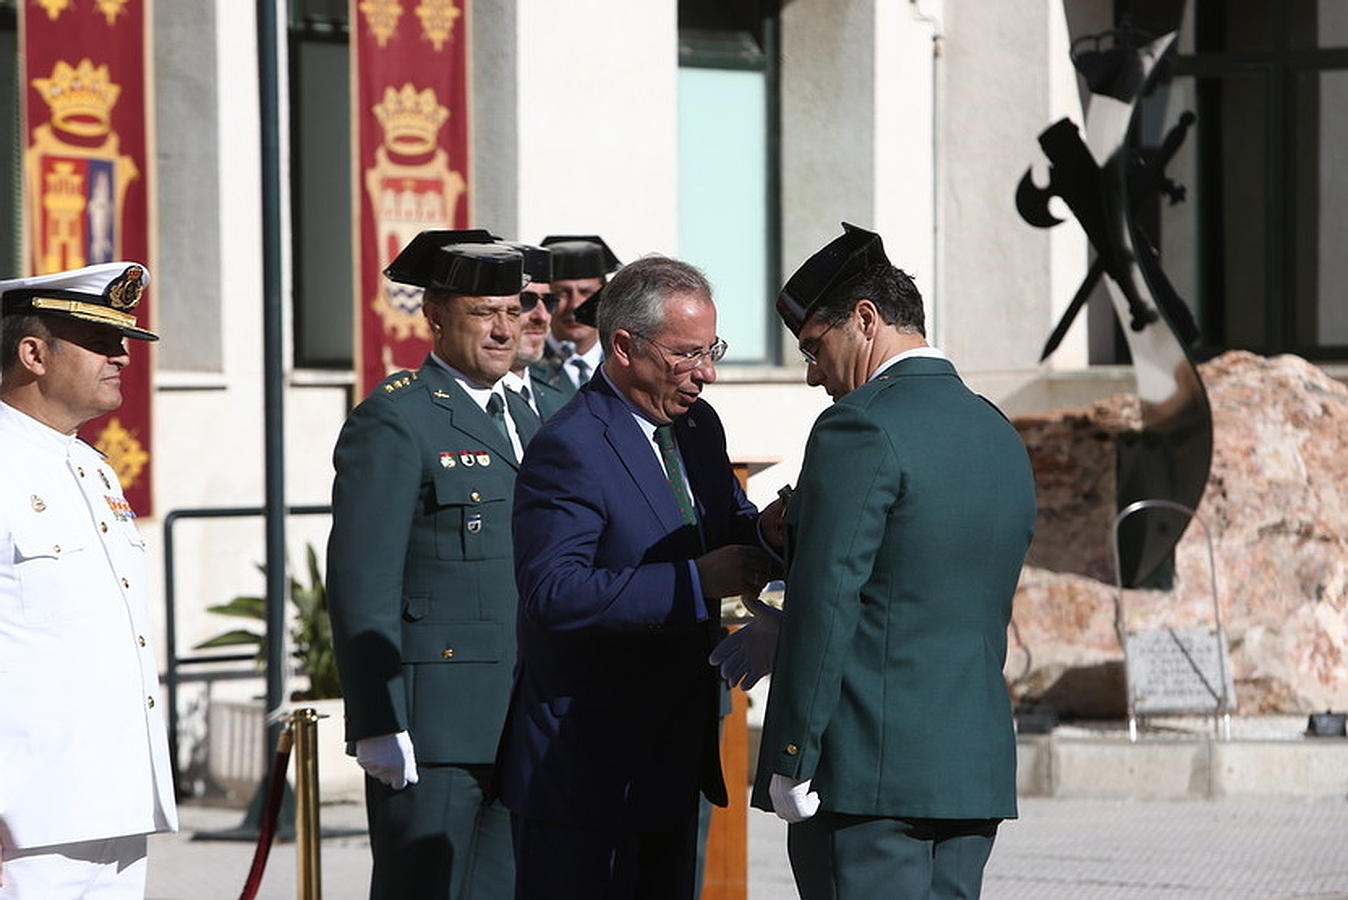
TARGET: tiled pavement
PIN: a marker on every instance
(1057, 850)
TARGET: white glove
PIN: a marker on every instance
(792, 800)
(389, 759)
(747, 655)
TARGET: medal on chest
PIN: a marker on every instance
(121, 510)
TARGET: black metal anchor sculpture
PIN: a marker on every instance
(1102, 181)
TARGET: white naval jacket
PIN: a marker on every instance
(83, 750)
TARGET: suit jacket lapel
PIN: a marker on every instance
(633, 451)
(465, 415)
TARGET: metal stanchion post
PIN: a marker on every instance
(307, 831)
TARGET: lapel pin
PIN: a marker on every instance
(447, 460)
(465, 457)
(483, 458)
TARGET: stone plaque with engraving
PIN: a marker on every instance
(1179, 670)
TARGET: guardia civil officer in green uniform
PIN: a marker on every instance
(887, 739)
(581, 264)
(421, 580)
(550, 391)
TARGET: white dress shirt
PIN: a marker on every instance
(926, 352)
(524, 386)
(481, 395)
(593, 358)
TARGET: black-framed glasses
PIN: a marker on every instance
(529, 299)
(688, 360)
(809, 349)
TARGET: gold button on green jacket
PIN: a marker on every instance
(906, 534)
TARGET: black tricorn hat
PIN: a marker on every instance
(580, 256)
(417, 260)
(841, 260)
(478, 270)
(537, 260)
(588, 312)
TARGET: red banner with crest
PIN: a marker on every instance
(410, 64)
(86, 180)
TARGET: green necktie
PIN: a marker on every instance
(582, 369)
(669, 454)
(496, 409)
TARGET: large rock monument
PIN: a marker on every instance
(1275, 504)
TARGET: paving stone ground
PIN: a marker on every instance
(1057, 850)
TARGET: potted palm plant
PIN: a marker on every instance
(310, 635)
(310, 631)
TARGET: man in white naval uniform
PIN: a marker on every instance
(84, 765)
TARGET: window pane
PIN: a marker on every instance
(322, 215)
(1238, 25)
(1332, 24)
(1321, 171)
(723, 204)
(1235, 211)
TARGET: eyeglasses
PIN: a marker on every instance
(809, 350)
(529, 299)
(688, 360)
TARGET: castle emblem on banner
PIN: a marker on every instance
(76, 176)
(411, 188)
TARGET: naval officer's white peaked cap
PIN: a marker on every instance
(103, 294)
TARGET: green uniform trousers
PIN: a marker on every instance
(842, 857)
(438, 840)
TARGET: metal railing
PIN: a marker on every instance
(172, 677)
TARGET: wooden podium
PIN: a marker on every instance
(726, 876)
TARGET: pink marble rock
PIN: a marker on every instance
(1275, 505)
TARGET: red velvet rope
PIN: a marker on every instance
(271, 812)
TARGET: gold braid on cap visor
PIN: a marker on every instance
(89, 311)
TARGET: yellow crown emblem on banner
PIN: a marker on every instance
(410, 119)
(80, 97)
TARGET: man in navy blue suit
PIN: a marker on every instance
(629, 525)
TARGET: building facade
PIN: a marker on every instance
(737, 135)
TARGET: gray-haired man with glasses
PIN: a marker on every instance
(629, 526)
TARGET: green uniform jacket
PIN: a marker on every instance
(421, 580)
(907, 532)
(552, 387)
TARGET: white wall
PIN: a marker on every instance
(597, 115)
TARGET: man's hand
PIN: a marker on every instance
(792, 800)
(733, 569)
(772, 526)
(746, 655)
(388, 758)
